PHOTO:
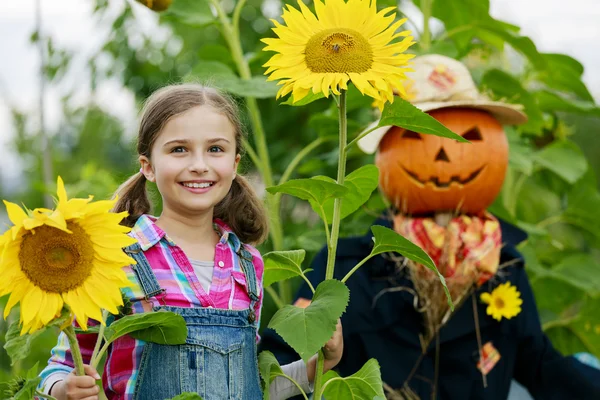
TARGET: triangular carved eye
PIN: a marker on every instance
(473, 134)
(411, 135)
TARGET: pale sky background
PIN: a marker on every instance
(570, 27)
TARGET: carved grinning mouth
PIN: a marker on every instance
(436, 181)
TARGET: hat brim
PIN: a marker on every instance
(506, 114)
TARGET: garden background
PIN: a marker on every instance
(93, 87)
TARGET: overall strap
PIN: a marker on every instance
(144, 272)
(249, 271)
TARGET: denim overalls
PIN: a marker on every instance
(218, 360)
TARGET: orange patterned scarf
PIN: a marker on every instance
(466, 249)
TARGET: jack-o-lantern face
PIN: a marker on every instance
(426, 173)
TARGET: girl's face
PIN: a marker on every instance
(193, 161)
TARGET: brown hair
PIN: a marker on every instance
(241, 208)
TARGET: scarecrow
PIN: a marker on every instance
(439, 190)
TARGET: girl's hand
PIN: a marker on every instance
(332, 351)
(77, 387)
(334, 348)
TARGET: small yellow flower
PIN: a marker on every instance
(68, 256)
(504, 301)
(344, 41)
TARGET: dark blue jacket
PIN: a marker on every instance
(389, 331)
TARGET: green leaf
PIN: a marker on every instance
(306, 330)
(583, 208)
(506, 88)
(564, 73)
(162, 327)
(551, 102)
(579, 270)
(360, 184)
(309, 98)
(282, 265)
(564, 158)
(187, 396)
(269, 369)
(403, 114)
(191, 12)
(19, 346)
(364, 384)
(387, 240)
(457, 15)
(564, 61)
(316, 190)
(522, 44)
(221, 76)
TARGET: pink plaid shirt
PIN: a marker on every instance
(175, 274)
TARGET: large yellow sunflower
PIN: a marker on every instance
(504, 302)
(345, 41)
(71, 255)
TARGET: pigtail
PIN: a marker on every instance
(133, 198)
(244, 212)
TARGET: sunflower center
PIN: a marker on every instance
(499, 302)
(338, 50)
(57, 261)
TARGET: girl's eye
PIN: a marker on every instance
(215, 149)
(178, 149)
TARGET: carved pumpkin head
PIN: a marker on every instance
(425, 173)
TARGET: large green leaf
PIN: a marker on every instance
(316, 190)
(19, 346)
(458, 15)
(580, 270)
(403, 114)
(360, 184)
(506, 87)
(221, 76)
(282, 265)
(564, 73)
(583, 209)
(552, 102)
(364, 384)
(388, 240)
(162, 327)
(565, 159)
(306, 330)
(191, 12)
(269, 369)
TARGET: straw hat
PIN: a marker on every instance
(440, 82)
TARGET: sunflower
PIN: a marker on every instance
(68, 256)
(504, 301)
(345, 41)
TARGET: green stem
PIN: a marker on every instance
(236, 14)
(426, 38)
(362, 135)
(75, 352)
(517, 188)
(100, 336)
(43, 396)
(356, 267)
(317, 394)
(296, 384)
(337, 205)
(103, 350)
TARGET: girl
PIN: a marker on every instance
(192, 260)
